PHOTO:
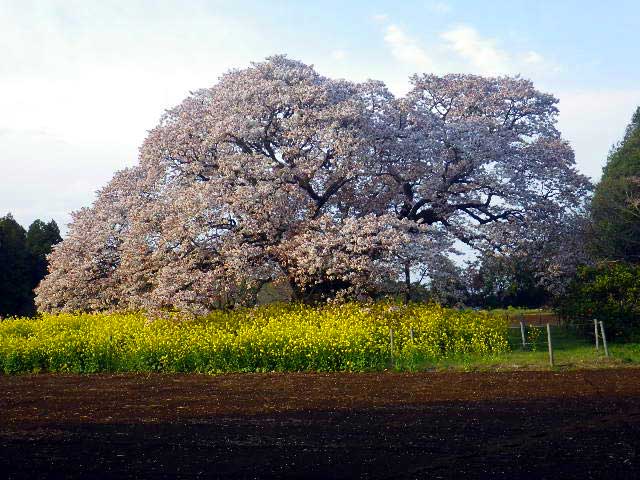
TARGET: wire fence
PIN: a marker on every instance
(555, 335)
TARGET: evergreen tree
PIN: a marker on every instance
(23, 263)
(15, 270)
(616, 202)
(40, 238)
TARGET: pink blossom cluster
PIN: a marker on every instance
(279, 174)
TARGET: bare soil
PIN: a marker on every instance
(581, 424)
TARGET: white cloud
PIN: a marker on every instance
(480, 53)
(407, 49)
(339, 55)
(464, 50)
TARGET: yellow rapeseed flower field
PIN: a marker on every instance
(280, 337)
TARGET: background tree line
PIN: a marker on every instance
(23, 263)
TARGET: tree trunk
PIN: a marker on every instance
(317, 293)
(407, 282)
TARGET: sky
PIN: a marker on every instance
(81, 82)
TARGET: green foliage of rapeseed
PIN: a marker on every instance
(348, 337)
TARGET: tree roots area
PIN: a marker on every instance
(575, 424)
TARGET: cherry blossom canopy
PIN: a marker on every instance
(278, 174)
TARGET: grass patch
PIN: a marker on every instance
(573, 348)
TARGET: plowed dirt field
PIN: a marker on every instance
(580, 424)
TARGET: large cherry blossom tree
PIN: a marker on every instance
(278, 174)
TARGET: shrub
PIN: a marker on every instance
(609, 292)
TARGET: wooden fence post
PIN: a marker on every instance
(524, 338)
(604, 340)
(550, 345)
(411, 333)
(595, 324)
